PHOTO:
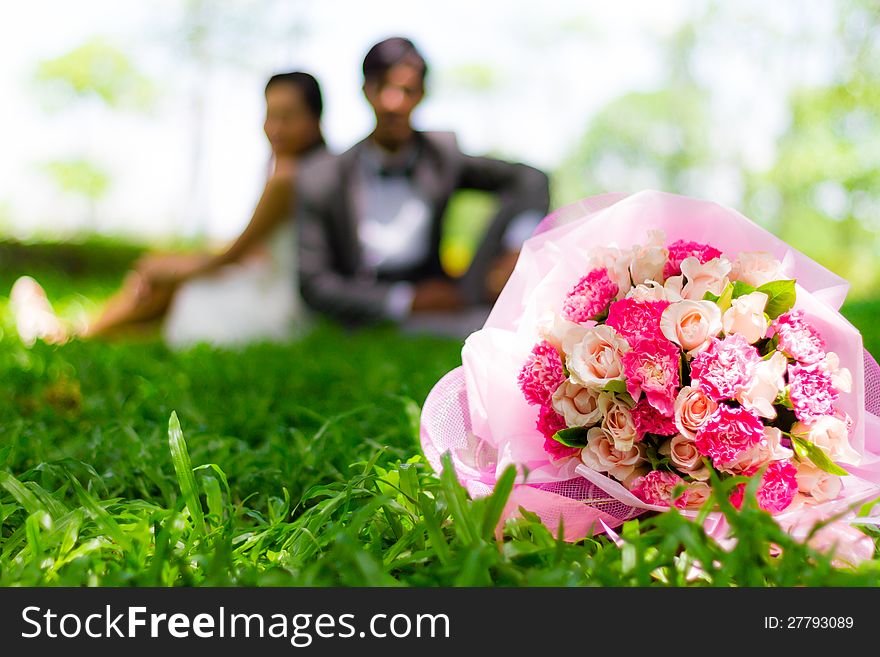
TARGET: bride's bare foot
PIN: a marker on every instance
(34, 317)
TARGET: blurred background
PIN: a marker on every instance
(141, 123)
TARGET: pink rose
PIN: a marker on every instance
(597, 358)
(831, 435)
(685, 456)
(691, 324)
(769, 448)
(756, 268)
(577, 404)
(768, 381)
(696, 495)
(820, 485)
(746, 317)
(704, 277)
(617, 421)
(601, 455)
(692, 409)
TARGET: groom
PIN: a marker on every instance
(370, 219)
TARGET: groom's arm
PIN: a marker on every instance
(523, 194)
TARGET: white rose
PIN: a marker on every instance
(600, 455)
(820, 485)
(756, 268)
(691, 324)
(701, 278)
(648, 261)
(616, 262)
(597, 358)
(766, 384)
(577, 404)
(652, 291)
(841, 378)
(746, 317)
(831, 435)
(683, 454)
(617, 421)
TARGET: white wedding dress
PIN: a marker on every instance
(254, 300)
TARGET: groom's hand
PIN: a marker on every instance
(437, 294)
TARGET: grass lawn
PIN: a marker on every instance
(304, 469)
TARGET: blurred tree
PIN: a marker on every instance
(655, 139)
(94, 70)
(94, 74)
(823, 191)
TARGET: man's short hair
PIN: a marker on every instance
(390, 52)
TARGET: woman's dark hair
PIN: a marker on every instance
(307, 84)
(390, 52)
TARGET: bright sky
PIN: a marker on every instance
(555, 64)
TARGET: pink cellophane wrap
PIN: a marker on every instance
(478, 414)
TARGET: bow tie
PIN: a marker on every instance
(399, 171)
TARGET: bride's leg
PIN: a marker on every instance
(135, 304)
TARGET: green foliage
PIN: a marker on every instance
(95, 69)
(304, 469)
(79, 176)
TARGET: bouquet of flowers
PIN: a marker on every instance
(644, 342)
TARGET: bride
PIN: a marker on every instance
(245, 293)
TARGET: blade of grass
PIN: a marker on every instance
(185, 477)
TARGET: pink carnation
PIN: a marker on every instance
(657, 487)
(648, 419)
(812, 391)
(727, 433)
(590, 297)
(777, 489)
(549, 422)
(542, 374)
(725, 367)
(635, 320)
(680, 249)
(651, 366)
(797, 338)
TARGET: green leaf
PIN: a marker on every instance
(185, 477)
(724, 300)
(495, 503)
(741, 289)
(573, 437)
(805, 449)
(781, 297)
(617, 386)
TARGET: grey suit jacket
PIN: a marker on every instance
(333, 278)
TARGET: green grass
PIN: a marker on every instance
(294, 464)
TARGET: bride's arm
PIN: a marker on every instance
(272, 209)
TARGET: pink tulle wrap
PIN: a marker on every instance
(478, 414)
